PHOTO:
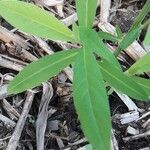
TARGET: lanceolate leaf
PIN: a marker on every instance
(142, 65)
(75, 29)
(141, 16)
(31, 19)
(119, 32)
(122, 82)
(91, 39)
(91, 101)
(147, 37)
(41, 70)
(127, 40)
(144, 83)
(86, 11)
(108, 36)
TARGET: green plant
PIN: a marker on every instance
(147, 37)
(90, 96)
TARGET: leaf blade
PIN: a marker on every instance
(121, 82)
(92, 105)
(141, 16)
(41, 70)
(32, 19)
(86, 10)
(129, 38)
(108, 36)
(147, 37)
(94, 44)
(140, 66)
(144, 83)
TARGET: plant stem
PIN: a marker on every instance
(117, 52)
(146, 23)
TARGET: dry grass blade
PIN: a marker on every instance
(43, 115)
(7, 121)
(11, 63)
(10, 110)
(3, 91)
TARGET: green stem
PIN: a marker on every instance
(146, 23)
(117, 52)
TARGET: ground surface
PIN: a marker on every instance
(54, 99)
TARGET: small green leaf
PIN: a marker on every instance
(86, 11)
(91, 39)
(91, 100)
(41, 70)
(76, 32)
(147, 37)
(127, 40)
(121, 82)
(144, 83)
(141, 16)
(119, 32)
(142, 65)
(108, 36)
(34, 20)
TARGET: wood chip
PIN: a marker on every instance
(128, 117)
(132, 131)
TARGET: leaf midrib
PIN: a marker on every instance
(40, 70)
(86, 79)
(86, 14)
(41, 24)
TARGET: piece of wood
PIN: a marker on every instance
(104, 11)
(13, 114)
(14, 140)
(135, 137)
(127, 117)
(9, 37)
(41, 122)
(11, 63)
(3, 91)
(7, 121)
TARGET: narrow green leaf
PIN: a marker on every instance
(121, 82)
(76, 32)
(86, 11)
(41, 70)
(91, 101)
(108, 36)
(127, 40)
(147, 37)
(34, 20)
(91, 39)
(119, 32)
(141, 16)
(142, 65)
(144, 83)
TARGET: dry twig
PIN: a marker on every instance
(14, 140)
